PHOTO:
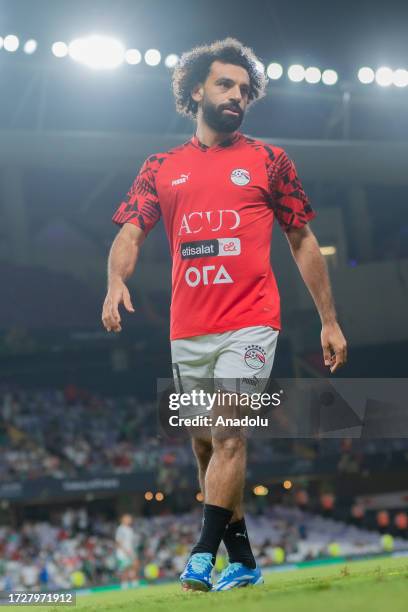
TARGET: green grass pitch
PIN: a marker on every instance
(379, 585)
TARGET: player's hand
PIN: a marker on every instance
(117, 294)
(334, 346)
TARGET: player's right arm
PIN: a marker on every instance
(137, 215)
(121, 264)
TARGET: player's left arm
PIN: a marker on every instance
(313, 269)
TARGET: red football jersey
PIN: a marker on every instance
(218, 205)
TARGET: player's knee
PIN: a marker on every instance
(229, 446)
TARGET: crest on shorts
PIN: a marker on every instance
(255, 356)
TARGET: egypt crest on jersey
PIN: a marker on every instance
(239, 176)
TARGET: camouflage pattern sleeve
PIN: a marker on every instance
(141, 205)
(287, 196)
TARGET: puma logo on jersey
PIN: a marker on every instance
(183, 179)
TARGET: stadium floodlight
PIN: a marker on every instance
(296, 73)
(60, 49)
(97, 52)
(30, 46)
(152, 57)
(330, 77)
(384, 76)
(133, 56)
(366, 75)
(76, 49)
(1, 42)
(11, 43)
(400, 78)
(274, 71)
(171, 60)
(313, 75)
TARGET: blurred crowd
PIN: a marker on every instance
(72, 432)
(73, 549)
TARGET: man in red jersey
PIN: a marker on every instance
(219, 194)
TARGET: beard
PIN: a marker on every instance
(219, 121)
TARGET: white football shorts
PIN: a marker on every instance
(235, 361)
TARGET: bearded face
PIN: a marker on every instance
(223, 118)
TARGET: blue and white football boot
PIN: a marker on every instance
(197, 573)
(238, 575)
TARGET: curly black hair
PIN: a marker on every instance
(194, 67)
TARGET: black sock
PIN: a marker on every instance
(237, 544)
(215, 520)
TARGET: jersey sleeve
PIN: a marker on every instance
(287, 196)
(141, 205)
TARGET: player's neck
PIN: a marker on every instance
(210, 137)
